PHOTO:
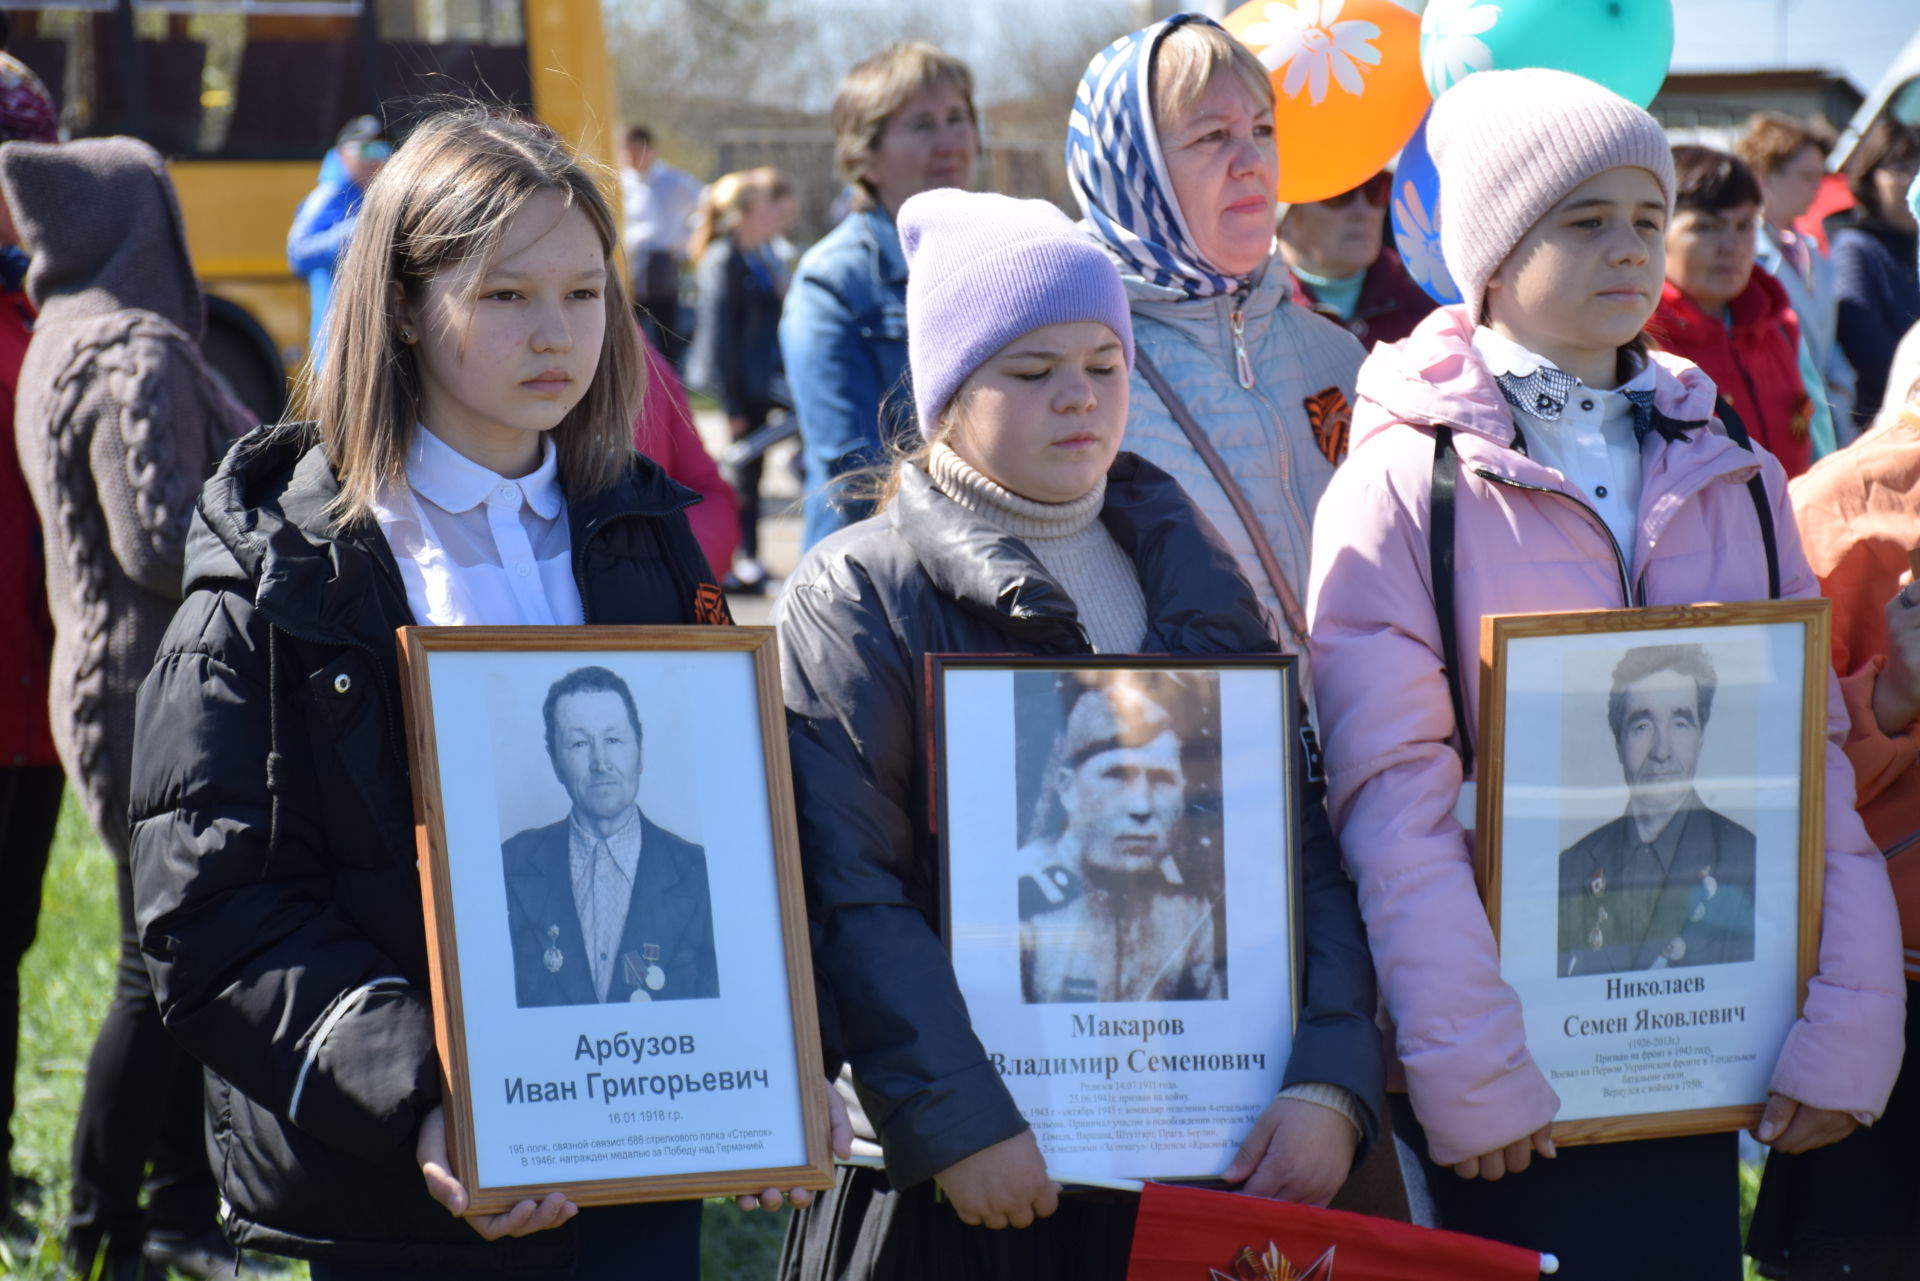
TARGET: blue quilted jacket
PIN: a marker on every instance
(1279, 438)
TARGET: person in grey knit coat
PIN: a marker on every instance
(119, 422)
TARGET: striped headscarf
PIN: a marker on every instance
(1119, 175)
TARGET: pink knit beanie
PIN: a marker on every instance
(1510, 145)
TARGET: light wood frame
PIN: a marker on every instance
(1283, 666)
(1496, 631)
(416, 644)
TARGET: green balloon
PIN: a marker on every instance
(1622, 44)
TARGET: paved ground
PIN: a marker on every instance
(779, 519)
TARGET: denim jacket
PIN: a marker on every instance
(844, 339)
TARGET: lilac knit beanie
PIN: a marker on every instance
(984, 269)
(1510, 145)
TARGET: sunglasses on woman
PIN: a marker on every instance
(1375, 191)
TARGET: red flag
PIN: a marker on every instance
(1193, 1234)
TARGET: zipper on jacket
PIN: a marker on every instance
(1242, 366)
(346, 1005)
(1283, 462)
(1619, 559)
(580, 574)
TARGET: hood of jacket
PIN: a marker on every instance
(101, 222)
(1435, 377)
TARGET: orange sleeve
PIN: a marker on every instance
(1860, 583)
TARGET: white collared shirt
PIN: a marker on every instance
(476, 547)
(1589, 439)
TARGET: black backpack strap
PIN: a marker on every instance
(1757, 486)
(1440, 566)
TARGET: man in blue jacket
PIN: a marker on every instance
(325, 221)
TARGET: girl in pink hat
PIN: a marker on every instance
(1581, 472)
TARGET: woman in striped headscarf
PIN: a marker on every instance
(1170, 150)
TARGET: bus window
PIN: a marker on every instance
(435, 49)
(229, 80)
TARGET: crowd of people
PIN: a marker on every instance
(1194, 423)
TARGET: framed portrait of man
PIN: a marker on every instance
(1119, 896)
(623, 998)
(1648, 842)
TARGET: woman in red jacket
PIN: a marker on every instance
(1726, 317)
(31, 779)
(664, 431)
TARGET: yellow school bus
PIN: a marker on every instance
(244, 98)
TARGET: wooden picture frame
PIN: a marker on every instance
(1700, 899)
(1080, 800)
(706, 1080)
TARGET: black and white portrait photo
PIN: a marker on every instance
(603, 903)
(1093, 813)
(1646, 824)
(581, 795)
(1670, 881)
(1121, 877)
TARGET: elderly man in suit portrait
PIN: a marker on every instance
(1670, 882)
(605, 904)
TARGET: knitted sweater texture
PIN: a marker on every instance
(118, 422)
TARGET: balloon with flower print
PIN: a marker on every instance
(1415, 211)
(1347, 87)
(1623, 44)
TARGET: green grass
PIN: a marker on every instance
(65, 985)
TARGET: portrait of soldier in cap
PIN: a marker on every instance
(605, 904)
(1670, 882)
(1119, 901)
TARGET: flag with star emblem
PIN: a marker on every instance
(1195, 1234)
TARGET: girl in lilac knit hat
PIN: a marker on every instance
(1020, 528)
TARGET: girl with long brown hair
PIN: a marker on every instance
(470, 463)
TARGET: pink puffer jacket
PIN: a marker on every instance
(1386, 717)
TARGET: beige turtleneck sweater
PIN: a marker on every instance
(1069, 541)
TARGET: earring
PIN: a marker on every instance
(406, 335)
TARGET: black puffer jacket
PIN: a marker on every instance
(927, 576)
(273, 848)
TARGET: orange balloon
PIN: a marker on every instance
(1347, 87)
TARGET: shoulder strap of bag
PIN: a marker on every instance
(1440, 567)
(1756, 486)
(1295, 617)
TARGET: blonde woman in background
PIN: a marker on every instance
(735, 357)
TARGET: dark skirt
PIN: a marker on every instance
(1851, 1210)
(862, 1230)
(658, 1241)
(1648, 1208)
